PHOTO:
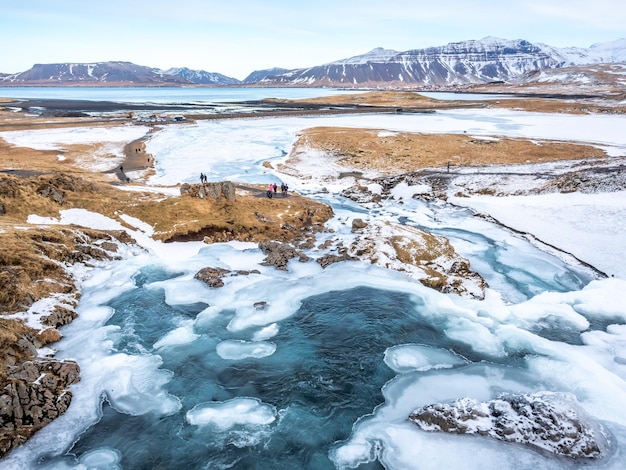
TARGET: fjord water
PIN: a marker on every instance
(164, 95)
(319, 368)
(196, 94)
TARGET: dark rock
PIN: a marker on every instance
(59, 317)
(243, 272)
(549, 421)
(9, 188)
(361, 194)
(32, 394)
(51, 192)
(109, 246)
(358, 225)
(278, 254)
(329, 258)
(54, 187)
(212, 277)
(217, 190)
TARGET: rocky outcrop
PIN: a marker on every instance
(9, 187)
(32, 394)
(213, 277)
(329, 258)
(51, 192)
(224, 189)
(60, 316)
(361, 194)
(53, 187)
(549, 421)
(34, 390)
(278, 254)
(358, 225)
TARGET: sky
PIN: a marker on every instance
(237, 37)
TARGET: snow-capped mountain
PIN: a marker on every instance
(94, 73)
(259, 76)
(202, 77)
(375, 55)
(477, 61)
(113, 73)
(614, 51)
(467, 62)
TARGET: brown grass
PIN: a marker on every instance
(248, 218)
(407, 100)
(544, 105)
(368, 149)
(429, 248)
(371, 98)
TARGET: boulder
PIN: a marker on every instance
(51, 192)
(212, 277)
(60, 316)
(9, 187)
(217, 190)
(278, 254)
(548, 421)
(329, 258)
(358, 225)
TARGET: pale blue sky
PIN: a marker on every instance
(237, 37)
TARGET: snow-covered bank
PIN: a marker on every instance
(589, 226)
(110, 140)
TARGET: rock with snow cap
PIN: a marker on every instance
(549, 421)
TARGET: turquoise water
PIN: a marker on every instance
(327, 371)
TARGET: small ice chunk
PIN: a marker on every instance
(266, 333)
(237, 349)
(102, 457)
(415, 357)
(179, 336)
(226, 414)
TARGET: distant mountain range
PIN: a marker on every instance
(201, 77)
(105, 73)
(460, 63)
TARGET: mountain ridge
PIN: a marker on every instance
(486, 60)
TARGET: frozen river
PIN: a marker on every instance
(178, 375)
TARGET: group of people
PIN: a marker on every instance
(203, 178)
(272, 188)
